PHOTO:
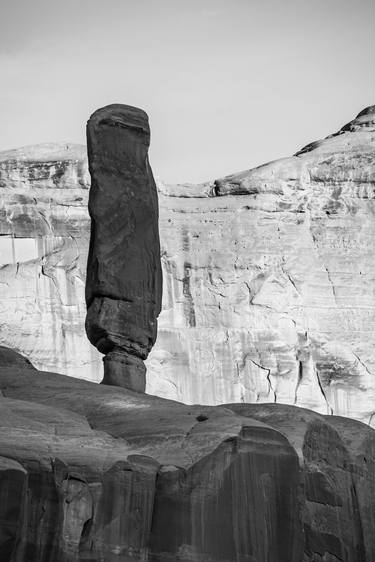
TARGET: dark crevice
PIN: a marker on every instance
(299, 380)
(123, 125)
(99, 295)
(216, 189)
(84, 542)
(323, 393)
(270, 387)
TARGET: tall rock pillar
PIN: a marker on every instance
(123, 286)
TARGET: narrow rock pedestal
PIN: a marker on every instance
(123, 288)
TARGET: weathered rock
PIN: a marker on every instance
(90, 472)
(334, 453)
(44, 239)
(268, 286)
(123, 285)
(268, 295)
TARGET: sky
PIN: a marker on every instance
(227, 84)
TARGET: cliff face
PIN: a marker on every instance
(44, 228)
(269, 283)
(268, 276)
(92, 472)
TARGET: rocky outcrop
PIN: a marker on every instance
(268, 278)
(123, 285)
(269, 282)
(89, 472)
(92, 472)
(44, 239)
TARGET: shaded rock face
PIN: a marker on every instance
(123, 285)
(269, 277)
(89, 472)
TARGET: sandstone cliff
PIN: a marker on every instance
(44, 239)
(268, 276)
(93, 472)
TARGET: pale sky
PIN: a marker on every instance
(227, 84)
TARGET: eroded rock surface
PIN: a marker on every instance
(44, 239)
(269, 279)
(123, 285)
(269, 282)
(92, 472)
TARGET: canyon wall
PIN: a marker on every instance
(268, 275)
(90, 472)
(44, 239)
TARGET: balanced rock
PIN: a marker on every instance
(123, 285)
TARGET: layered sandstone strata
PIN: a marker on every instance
(44, 239)
(268, 276)
(92, 472)
(123, 284)
(269, 281)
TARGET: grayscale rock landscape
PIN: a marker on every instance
(107, 473)
(268, 275)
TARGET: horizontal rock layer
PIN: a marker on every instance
(268, 276)
(92, 472)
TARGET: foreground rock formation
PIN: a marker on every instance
(123, 285)
(268, 276)
(92, 472)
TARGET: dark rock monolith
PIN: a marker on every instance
(123, 288)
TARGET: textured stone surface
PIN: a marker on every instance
(123, 285)
(44, 239)
(268, 278)
(92, 472)
(269, 286)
